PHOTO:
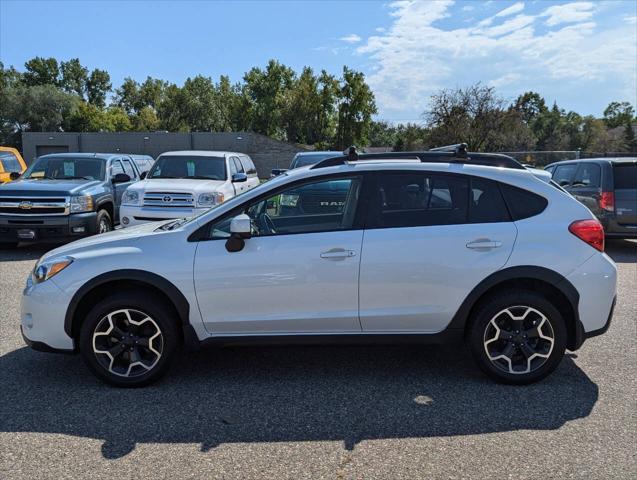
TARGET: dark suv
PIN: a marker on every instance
(65, 196)
(607, 186)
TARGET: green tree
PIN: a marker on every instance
(74, 77)
(530, 105)
(266, 91)
(41, 71)
(355, 109)
(146, 120)
(40, 108)
(127, 96)
(618, 114)
(170, 111)
(98, 86)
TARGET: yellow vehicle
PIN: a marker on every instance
(10, 161)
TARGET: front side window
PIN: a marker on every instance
(319, 206)
(564, 174)
(420, 199)
(116, 167)
(588, 175)
(238, 168)
(66, 168)
(185, 166)
(10, 162)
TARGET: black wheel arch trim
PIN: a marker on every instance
(157, 281)
(551, 277)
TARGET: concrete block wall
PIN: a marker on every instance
(266, 152)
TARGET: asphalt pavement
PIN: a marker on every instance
(320, 412)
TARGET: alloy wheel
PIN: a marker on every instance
(519, 339)
(104, 225)
(127, 343)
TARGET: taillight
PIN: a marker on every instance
(607, 201)
(590, 231)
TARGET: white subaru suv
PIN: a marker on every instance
(420, 247)
(185, 184)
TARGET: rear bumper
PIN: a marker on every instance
(596, 282)
(614, 229)
(604, 329)
(47, 228)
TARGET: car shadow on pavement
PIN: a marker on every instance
(286, 394)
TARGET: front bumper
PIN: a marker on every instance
(130, 215)
(47, 228)
(43, 310)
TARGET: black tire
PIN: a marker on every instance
(103, 222)
(518, 346)
(139, 303)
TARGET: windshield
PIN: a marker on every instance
(183, 166)
(65, 168)
(303, 159)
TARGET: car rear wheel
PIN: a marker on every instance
(129, 339)
(518, 337)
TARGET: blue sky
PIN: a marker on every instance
(581, 54)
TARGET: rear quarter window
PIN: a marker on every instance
(625, 177)
(522, 203)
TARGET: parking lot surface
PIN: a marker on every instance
(320, 412)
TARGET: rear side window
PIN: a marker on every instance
(10, 162)
(420, 199)
(588, 175)
(625, 177)
(248, 166)
(486, 204)
(128, 168)
(522, 203)
(564, 174)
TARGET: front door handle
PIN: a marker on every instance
(337, 253)
(484, 243)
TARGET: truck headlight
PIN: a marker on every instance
(82, 203)
(130, 197)
(209, 199)
(46, 269)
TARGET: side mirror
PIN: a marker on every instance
(143, 175)
(239, 177)
(275, 172)
(14, 175)
(240, 230)
(121, 178)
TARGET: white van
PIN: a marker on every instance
(185, 184)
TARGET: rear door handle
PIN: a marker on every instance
(338, 253)
(483, 243)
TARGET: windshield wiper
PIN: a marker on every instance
(72, 177)
(172, 225)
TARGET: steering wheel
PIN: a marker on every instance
(265, 224)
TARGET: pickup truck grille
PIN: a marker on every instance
(27, 206)
(168, 199)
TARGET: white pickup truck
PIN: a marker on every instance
(185, 184)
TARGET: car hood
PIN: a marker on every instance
(109, 239)
(45, 187)
(178, 185)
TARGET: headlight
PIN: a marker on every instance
(48, 268)
(131, 197)
(209, 199)
(81, 203)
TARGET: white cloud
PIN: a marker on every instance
(568, 13)
(468, 8)
(351, 38)
(631, 20)
(416, 57)
(380, 29)
(515, 8)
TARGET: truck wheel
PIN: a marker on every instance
(104, 222)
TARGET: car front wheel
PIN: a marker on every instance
(518, 337)
(129, 339)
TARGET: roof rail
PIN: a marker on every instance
(431, 156)
(459, 149)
